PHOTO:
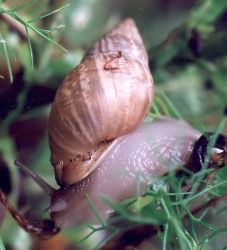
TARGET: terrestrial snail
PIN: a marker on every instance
(110, 148)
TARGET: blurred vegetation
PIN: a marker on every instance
(41, 41)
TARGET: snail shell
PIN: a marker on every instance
(103, 98)
(150, 150)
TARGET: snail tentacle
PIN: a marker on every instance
(42, 184)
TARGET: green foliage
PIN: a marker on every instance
(13, 13)
(1, 245)
(205, 13)
(220, 177)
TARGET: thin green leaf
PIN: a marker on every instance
(20, 19)
(52, 29)
(165, 208)
(101, 221)
(124, 213)
(3, 42)
(199, 220)
(30, 26)
(165, 237)
(29, 47)
(175, 222)
(162, 106)
(48, 14)
(170, 105)
(197, 195)
(155, 109)
(1, 245)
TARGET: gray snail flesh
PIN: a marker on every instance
(151, 150)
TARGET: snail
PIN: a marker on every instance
(101, 147)
(106, 96)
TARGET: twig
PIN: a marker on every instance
(14, 24)
(47, 230)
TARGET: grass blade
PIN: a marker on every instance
(29, 47)
(1, 245)
(36, 30)
(101, 221)
(165, 238)
(3, 42)
(125, 214)
(20, 19)
(170, 105)
(48, 14)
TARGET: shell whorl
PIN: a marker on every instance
(124, 37)
(106, 96)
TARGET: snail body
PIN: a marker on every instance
(106, 96)
(151, 150)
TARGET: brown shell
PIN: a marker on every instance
(106, 96)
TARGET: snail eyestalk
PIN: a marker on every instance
(43, 185)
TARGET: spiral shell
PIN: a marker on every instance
(106, 96)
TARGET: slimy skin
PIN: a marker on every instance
(151, 150)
